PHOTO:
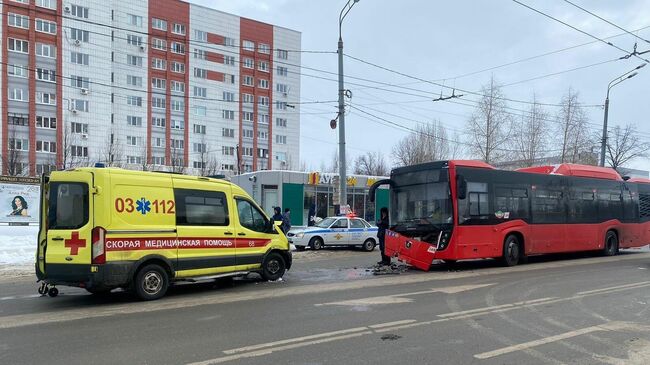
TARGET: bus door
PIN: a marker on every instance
(549, 220)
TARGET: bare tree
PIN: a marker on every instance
(13, 161)
(69, 158)
(177, 164)
(490, 125)
(145, 163)
(371, 163)
(207, 160)
(112, 153)
(576, 143)
(624, 145)
(531, 134)
(428, 143)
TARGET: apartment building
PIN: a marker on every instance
(157, 85)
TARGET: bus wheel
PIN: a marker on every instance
(511, 251)
(316, 243)
(611, 244)
(151, 282)
(273, 267)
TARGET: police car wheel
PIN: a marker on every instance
(316, 243)
(273, 267)
(368, 245)
(151, 282)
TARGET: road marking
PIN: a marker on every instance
(642, 283)
(496, 307)
(611, 326)
(275, 292)
(390, 324)
(400, 298)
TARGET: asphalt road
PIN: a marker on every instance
(330, 309)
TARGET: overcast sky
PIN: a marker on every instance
(440, 41)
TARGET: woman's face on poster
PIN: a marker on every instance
(19, 204)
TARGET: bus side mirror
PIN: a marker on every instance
(461, 187)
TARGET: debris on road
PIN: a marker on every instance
(392, 269)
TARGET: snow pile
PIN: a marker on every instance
(18, 244)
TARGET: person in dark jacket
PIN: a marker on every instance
(277, 214)
(311, 216)
(286, 220)
(383, 224)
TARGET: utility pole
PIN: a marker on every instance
(343, 196)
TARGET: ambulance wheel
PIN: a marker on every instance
(316, 243)
(273, 267)
(368, 245)
(151, 282)
(53, 292)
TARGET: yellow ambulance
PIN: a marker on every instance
(105, 228)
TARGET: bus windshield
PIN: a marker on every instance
(421, 198)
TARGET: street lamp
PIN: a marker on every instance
(343, 196)
(628, 75)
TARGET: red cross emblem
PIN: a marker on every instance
(74, 243)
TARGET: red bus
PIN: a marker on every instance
(460, 209)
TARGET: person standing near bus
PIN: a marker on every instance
(383, 224)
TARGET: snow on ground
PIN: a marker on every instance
(18, 245)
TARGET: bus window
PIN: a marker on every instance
(475, 209)
(513, 202)
(548, 206)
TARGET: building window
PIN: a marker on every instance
(134, 160)
(263, 101)
(199, 164)
(228, 78)
(228, 114)
(262, 134)
(45, 122)
(18, 21)
(263, 118)
(263, 66)
(280, 122)
(281, 105)
(282, 88)
(46, 75)
(158, 102)
(229, 60)
(264, 48)
(79, 82)
(178, 86)
(280, 139)
(229, 42)
(134, 20)
(79, 151)
(228, 132)
(79, 105)
(282, 71)
(227, 167)
(227, 150)
(158, 160)
(248, 46)
(248, 81)
(133, 141)
(79, 11)
(249, 63)
(283, 54)
(199, 129)
(79, 35)
(158, 24)
(134, 40)
(134, 60)
(200, 147)
(200, 35)
(158, 64)
(200, 54)
(179, 29)
(178, 106)
(247, 116)
(134, 100)
(79, 58)
(50, 4)
(248, 99)
(17, 94)
(19, 144)
(159, 83)
(79, 128)
(17, 71)
(19, 119)
(134, 80)
(247, 151)
(262, 153)
(17, 45)
(263, 84)
(199, 111)
(158, 142)
(46, 50)
(200, 92)
(134, 121)
(159, 122)
(178, 67)
(200, 73)
(247, 133)
(177, 124)
(45, 98)
(44, 169)
(158, 43)
(228, 96)
(177, 143)
(178, 47)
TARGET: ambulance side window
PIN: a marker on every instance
(68, 206)
(201, 208)
(250, 217)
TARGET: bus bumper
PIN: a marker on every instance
(410, 251)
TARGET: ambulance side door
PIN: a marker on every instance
(255, 233)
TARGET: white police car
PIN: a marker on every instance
(335, 231)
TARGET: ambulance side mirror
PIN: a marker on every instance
(461, 187)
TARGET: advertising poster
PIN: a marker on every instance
(19, 200)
